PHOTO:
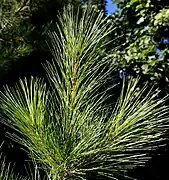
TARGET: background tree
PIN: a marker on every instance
(143, 27)
(24, 24)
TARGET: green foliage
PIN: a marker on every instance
(15, 30)
(144, 25)
(23, 27)
(66, 128)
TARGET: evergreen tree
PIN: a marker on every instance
(65, 126)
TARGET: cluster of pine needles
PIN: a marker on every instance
(67, 129)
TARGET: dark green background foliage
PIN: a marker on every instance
(23, 29)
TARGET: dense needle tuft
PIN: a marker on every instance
(67, 127)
